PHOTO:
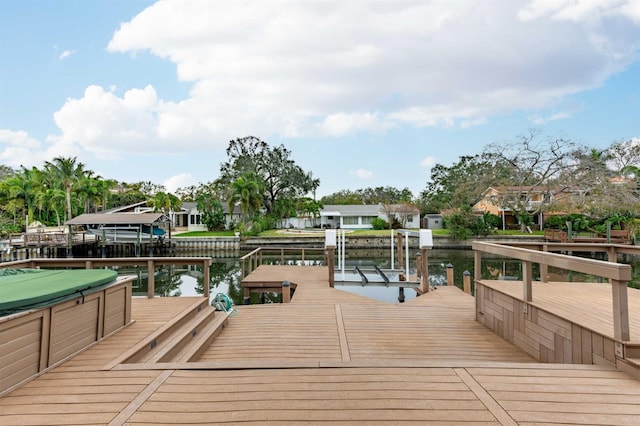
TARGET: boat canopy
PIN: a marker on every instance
(118, 219)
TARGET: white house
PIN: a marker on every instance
(190, 219)
(359, 216)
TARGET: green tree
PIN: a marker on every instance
(245, 190)
(460, 184)
(22, 186)
(164, 202)
(211, 211)
(68, 172)
(277, 175)
(377, 195)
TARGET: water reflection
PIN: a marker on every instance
(173, 281)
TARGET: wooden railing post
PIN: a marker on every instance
(419, 266)
(466, 282)
(331, 255)
(206, 277)
(477, 265)
(527, 287)
(620, 310)
(450, 274)
(151, 280)
(286, 292)
(544, 268)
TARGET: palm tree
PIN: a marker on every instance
(104, 190)
(51, 199)
(246, 191)
(23, 186)
(165, 202)
(67, 172)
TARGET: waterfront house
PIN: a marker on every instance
(361, 216)
(189, 218)
(541, 202)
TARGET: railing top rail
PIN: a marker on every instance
(251, 253)
(615, 271)
(105, 261)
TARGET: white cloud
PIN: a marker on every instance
(19, 149)
(66, 54)
(539, 120)
(580, 10)
(179, 181)
(428, 162)
(362, 173)
(338, 68)
(340, 124)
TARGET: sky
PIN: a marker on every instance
(363, 93)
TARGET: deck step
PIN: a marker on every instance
(180, 337)
(631, 366)
(193, 349)
(152, 343)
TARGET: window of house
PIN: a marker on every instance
(350, 220)
(368, 220)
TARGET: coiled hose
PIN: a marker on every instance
(222, 302)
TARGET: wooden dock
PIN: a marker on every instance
(328, 357)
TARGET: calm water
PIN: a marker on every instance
(225, 274)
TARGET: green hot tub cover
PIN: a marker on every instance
(24, 289)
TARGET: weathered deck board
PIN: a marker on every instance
(328, 357)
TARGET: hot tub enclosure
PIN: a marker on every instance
(48, 315)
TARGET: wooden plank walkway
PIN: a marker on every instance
(329, 357)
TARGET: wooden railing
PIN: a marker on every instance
(250, 261)
(99, 262)
(617, 274)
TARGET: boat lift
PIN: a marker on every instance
(394, 277)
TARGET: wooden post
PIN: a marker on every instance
(206, 277)
(526, 281)
(331, 254)
(286, 292)
(466, 282)
(247, 295)
(620, 310)
(419, 265)
(544, 268)
(477, 265)
(424, 281)
(151, 280)
(450, 274)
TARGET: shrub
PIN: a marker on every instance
(379, 224)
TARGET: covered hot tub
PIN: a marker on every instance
(46, 316)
